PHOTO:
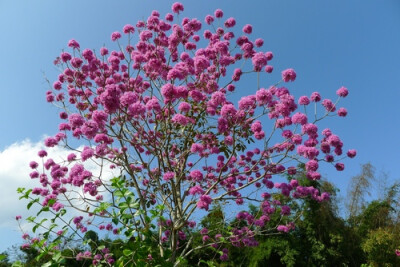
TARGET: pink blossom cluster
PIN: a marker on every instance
(161, 112)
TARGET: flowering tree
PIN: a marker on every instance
(158, 113)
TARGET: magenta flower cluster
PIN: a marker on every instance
(160, 112)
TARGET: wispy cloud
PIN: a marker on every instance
(14, 173)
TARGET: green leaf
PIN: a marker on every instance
(52, 226)
(160, 207)
(63, 211)
(51, 202)
(135, 205)
(128, 193)
(31, 203)
(20, 190)
(57, 256)
(30, 219)
(154, 213)
(127, 252)
(118, 194)
(47, 264)
(2, 257)
(17, 264)
(123, 206)
(139, 212)
(43, 209)
(26, 195)
(128, 233)
(41, 255)
(126, 216)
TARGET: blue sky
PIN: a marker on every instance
(329, 43)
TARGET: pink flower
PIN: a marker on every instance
(50, 142)
(351, 153)
(325, 196)
(228, 110)
(180, 119)
(25, 246)
(259, 60)
(269, 55)
(196, 148)
(282, 228)
(196, 190)
(259, 135)
(128, 98)
(204, 202)
(128, 29)
(71, 157)
(259, 42)
(342, 92)
(312, 165)
(168, 91)
(329, 158)
(57, 85)
(57, 206)
(342, 112)
(288, 75)
(73, 44)
(303, 100)
(313, 175)
(328, 104)
(184, 107)
(103, 51)
(327, 132)
(263, 97)
(42, 153)
(76, 62)
(153, 104)
(228, 140)
(315, 97)
(285, 210)
(236, 74)
(397, 253)
(145, 35)
(18, 217)
(76, 120)
(169, 17)
(209, 19)
(196, 175)
(224, 257)
(268, 69)
(256, 127)
(33, 164)
(218, 13)
(339, 166)
(65, 56)
(247, 28)
(229, 23)
(168, 176)
(177, 7)
(310, 129)
(299, 118)
(87, 153)
(247, 102)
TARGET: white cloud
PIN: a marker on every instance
(14, 173)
